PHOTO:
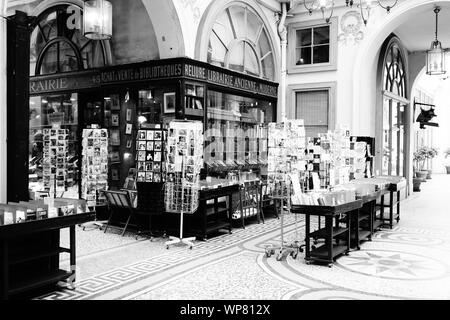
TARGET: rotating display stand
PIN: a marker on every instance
(184, 161)
(285, 162)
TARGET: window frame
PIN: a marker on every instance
(331, 87)
(293, 27)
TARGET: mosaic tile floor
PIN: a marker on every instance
(411, 261)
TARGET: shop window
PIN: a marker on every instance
(236, 130)
(46, 112)
(313, 107)
(58, 45)
(313, 46)
(239, 41)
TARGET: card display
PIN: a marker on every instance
(56, 147)
(286, 150)
(150, 157)
(184, 149)
(94, 165)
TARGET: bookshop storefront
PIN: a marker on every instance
(233, 107)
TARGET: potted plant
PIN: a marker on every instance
(432, 152)
(447, 160)
(420, 156)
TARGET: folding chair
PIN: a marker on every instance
(118, 200)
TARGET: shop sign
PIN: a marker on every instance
(141, 73)
(228, 80)
(65, 83)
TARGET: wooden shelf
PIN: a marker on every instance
(211, 211)
(37, 282)
(322, 251)
(364, 234)
(322, 233)
(18, 260)
(193, 112)
(363, 217)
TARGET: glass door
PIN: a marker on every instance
(393, 162)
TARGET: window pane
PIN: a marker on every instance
(46, 111)
(314, 131)
(312, 107)
(386, 138)
(322, 35)
(235, 127)
(253, 26)
(236, 61)
(238, 20)
(304, 38)
(321, 54)
(303, 56)
(50, 60)
(251, 61)
(68, 60)
(217, 51)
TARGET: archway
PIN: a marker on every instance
(365, 85)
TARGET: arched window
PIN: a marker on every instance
(395, 104)
(58, 45)
(394, 71)
(239, 41)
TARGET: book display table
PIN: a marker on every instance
(30, 253)
(362, 221)
(331, 249)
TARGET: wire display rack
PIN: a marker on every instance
(286, 146)
(184, 161)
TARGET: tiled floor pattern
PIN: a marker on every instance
(411, 261)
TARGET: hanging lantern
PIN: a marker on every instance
(436, 55)
(97, 19)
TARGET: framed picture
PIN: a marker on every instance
(169, 102)
(115, 102)
(128, 114)
(115, 138)
(115, 174)
(115, 119)
(129, 128)
(115, 156)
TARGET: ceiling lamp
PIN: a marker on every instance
(436, 55)
(321, 5)
(364, 5)
(97, 19)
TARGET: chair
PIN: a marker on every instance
(119, 200)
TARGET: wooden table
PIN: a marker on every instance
(394, 189)
(366, 215)
(212, 218)
(328, 252)
(30, 253)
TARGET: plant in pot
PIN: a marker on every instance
(420, 156)
(447, 160)
(432, 152)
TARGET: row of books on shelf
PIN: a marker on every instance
(24, 211)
